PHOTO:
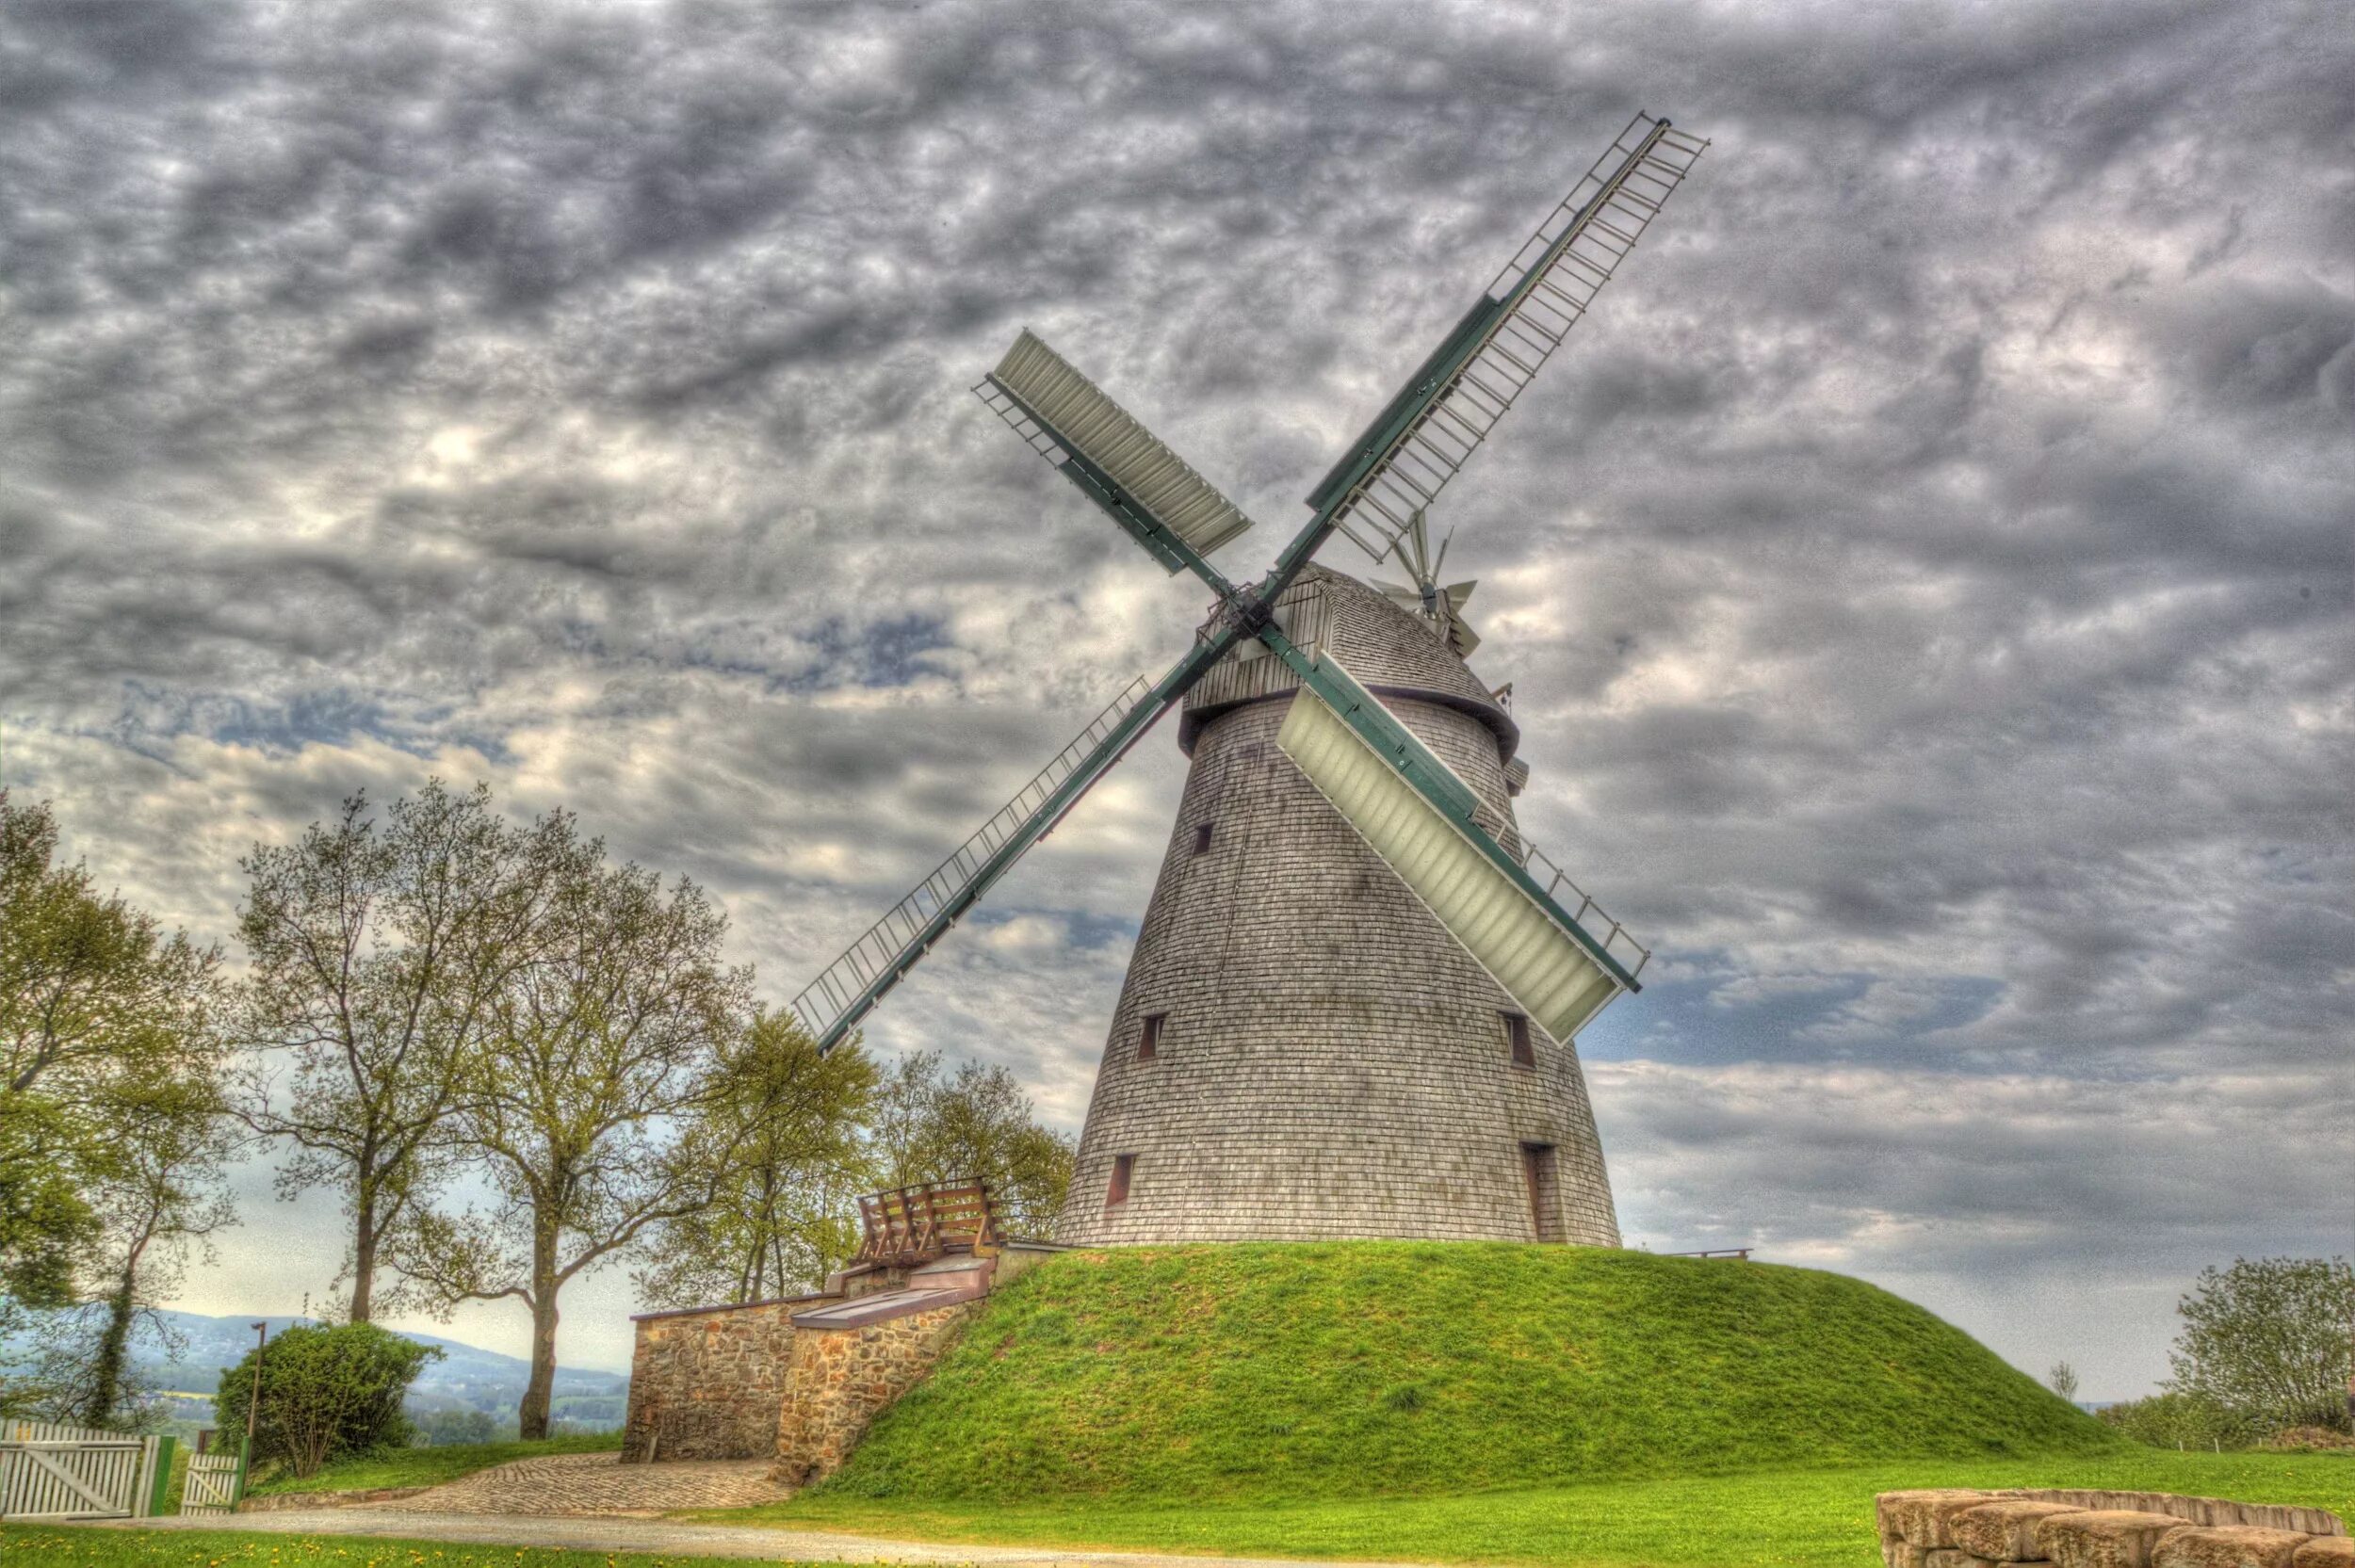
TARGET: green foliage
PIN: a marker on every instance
(781, 1133)
(2268, 1340)
(1274, 1369)
(1805, 1518)
(113, 1135)
(447, 1429)
(46, 1220)
(976, 1122)
(2175, 1419)
(327, 1392)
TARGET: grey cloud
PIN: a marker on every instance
(1925, 578)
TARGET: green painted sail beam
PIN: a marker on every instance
(1437, 784)
(1162, 542)
(1208, 650)
(1433, 380)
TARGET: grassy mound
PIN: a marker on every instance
(1345, 1370)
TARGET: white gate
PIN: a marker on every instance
(211, 1485)
(52, 1472)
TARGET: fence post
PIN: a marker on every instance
(245, 1462)
(165, 1448)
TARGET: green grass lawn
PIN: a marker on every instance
(80, 1546)
(429, 1466)
(1285, 1371)
(1802, 1518)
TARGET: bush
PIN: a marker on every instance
(2178, 1420)
(456, 1428)
(327, 1394)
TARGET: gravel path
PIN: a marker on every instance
(565, 1484)
(621, 1534)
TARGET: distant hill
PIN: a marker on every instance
(1339, 1370)
(466, 1376)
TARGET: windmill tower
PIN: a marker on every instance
(1352, 1004)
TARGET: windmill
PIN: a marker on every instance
(1350, 1006)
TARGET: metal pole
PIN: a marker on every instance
(254, 1395)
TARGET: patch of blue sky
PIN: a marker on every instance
(151, 717)
(1083, 931)
(880, 654)
(1719, 1016)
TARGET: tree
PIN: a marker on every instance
(2062, 1380)
(327, 1392)
(783, 1136)
(373, 957)
(2268, 1340)
(89, 985)
(164, 1196)
(111, 1135)
(975, 1123)
(590, 1055)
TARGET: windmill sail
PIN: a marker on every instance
(830, 1006)
(1148, 489)
(1456, 398)
(1398, 798)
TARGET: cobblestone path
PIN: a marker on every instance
(597, 1483)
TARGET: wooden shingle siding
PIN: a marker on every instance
(1342, 1070)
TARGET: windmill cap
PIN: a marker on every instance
(1390, 650)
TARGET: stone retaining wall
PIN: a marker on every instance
(706, 1382)
(842, 1379)
(1957, 1529)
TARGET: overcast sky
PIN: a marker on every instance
(1925, 578)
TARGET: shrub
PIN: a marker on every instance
(327, 1394)
(2178, 1420)
(447, 1429)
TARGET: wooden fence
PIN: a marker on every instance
(56, 1472)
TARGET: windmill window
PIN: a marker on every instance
(1517, 1037)
(1150, 1041)
(1124, 1166)
(1202, 838)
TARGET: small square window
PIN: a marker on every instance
(1202, 839)
(1517, 1036)
(1149, 1041)
(1124, 1166)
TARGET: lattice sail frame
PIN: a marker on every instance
(1493, 354)
(847, 988)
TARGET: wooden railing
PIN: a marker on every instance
(915, 1225)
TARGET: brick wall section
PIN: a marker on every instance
(1961, 1528)
(1333, 1063)
(706, 1383)
(842, 1379)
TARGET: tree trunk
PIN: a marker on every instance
(114, 1341)
(532, 1418)
(364, 1254)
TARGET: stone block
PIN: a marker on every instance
(2228, 1547)
(2103, 1538)
(1923, 1518)
(1952, 1557)
(1904, 1554)
(2003, 1530)
(2325, 1551)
